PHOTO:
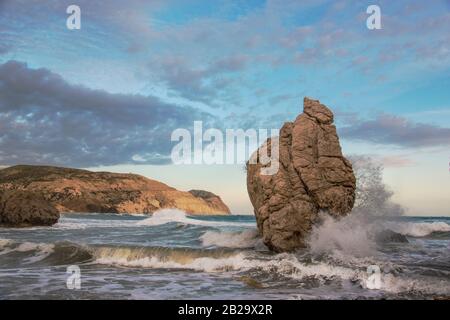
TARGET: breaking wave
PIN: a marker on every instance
(356, 234)
(350, 236)
(267, 267)
(290, 266)
(170, 258)
(42, 250)
(417, 229)
(164, 216)
(245, 239)
(29, 253)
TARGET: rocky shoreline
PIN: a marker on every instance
(37, 195)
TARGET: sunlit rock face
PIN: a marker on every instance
(313, 176)
(36, 195)
(20, 208)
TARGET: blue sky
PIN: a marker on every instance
(100, 96)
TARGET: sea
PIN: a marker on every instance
(172, 255)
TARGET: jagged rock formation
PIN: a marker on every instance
(65, 190)
(313, 176)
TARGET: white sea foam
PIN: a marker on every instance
(284, 265)
(245, 239)
(349, 236)
(31, 246)
(174, 215)
(199, 264)
(5, 242)
(67, 223)
(354, 235)
(42, 250)
(164, 216)
(418, 229)
(5, 246)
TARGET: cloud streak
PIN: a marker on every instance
(45, 120)
(395, 130)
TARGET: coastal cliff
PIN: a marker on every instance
(48, 191)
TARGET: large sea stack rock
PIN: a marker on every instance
(74, 190)
(313, 176)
